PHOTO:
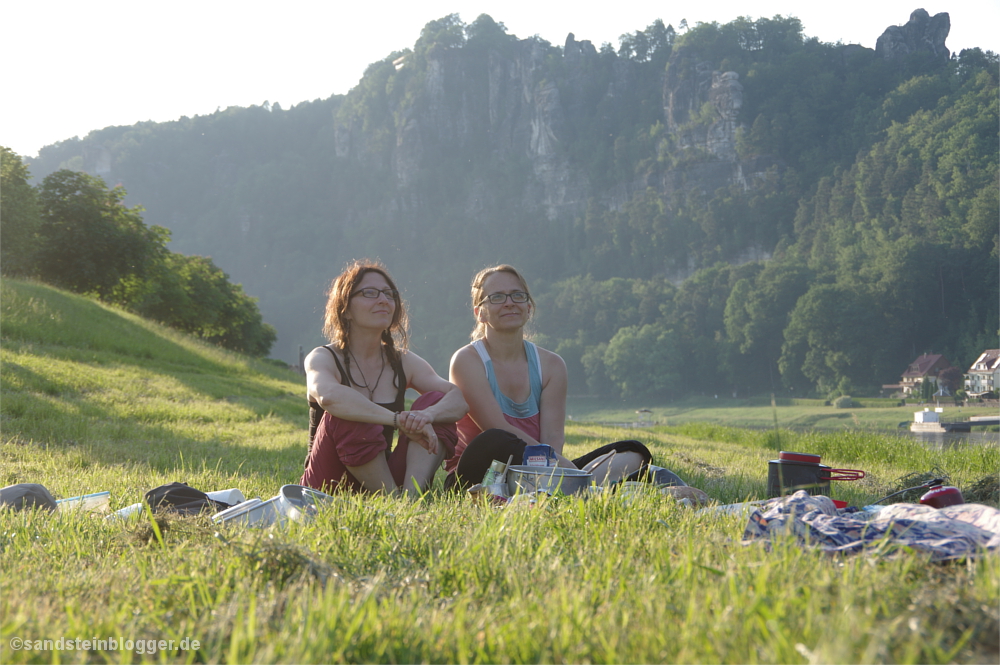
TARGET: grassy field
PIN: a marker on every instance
(93, 399)
(797, 414)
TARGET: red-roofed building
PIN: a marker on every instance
(925, 368)
(984, 375)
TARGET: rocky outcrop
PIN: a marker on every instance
(690, 83)
(922, 32)
(516, 104)
(685, 88)
(726, 96)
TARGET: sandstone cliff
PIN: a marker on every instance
(922, 33)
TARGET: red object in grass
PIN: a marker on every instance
(802, 458)
(839, 504)
(939, 497)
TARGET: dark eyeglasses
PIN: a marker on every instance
(501, 298)
(372, 292)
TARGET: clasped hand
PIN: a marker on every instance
(420, 428)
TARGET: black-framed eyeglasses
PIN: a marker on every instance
(501, 298)
(372, 292)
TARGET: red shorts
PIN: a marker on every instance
(342, 443)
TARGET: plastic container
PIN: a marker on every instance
(300, 504)
(238, 508)
(253, 512)
(802, 471)
(95, 503)
(231, 497)
(128, 512)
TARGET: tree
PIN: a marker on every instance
(644, 362)
(755, 316)
(951, 378)
(191, 293)
(19, 216)
(834, 333)
(443, 33)
(90, 240)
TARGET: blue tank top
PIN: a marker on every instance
(528, 407)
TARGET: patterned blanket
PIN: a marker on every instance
(955, 532)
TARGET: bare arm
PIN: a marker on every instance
(469, 374)
(553, 407)
(422, 378)
(323, 385)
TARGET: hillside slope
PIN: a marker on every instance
(97, 387)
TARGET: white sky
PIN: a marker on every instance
(71, 67)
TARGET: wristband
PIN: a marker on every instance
(395, 420)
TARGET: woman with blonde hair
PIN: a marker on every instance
(356, 386)
(516, 391)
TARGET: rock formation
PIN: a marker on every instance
(689, 84)
(921, 33)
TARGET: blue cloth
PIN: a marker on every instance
(528, 407)
(954, 532)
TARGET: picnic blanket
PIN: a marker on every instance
(954, 532)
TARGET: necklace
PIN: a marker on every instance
(371, 390)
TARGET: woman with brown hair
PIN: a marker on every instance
(356, 386)
(516, 392)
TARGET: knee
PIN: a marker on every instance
(429, 398)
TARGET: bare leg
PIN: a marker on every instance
(420, 468)
(560, 461)
(375, 475)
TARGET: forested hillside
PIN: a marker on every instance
(726, 208)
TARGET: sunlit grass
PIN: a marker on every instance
(755, 413)
(444, 579)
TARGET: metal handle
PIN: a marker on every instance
(845, 474)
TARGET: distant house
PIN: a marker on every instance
(925, 368)
(984, 375)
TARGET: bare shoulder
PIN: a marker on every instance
(320, 353)
(320, 359)
(551, 362)
(466, 363)
(463, 354)
(411, 362)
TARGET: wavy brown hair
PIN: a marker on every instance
(479, 293)
(338, 329)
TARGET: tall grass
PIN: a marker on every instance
(443, 579)
(861, 446)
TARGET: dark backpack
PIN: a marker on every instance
(183, 499)
(25, 496)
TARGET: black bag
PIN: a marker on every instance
(26, 495)
(183, 499)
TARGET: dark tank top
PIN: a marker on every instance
(397, 405)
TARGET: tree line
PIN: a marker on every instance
(865, 236)
(75, 233)
(888, 258)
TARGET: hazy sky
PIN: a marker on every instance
(72, 67)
